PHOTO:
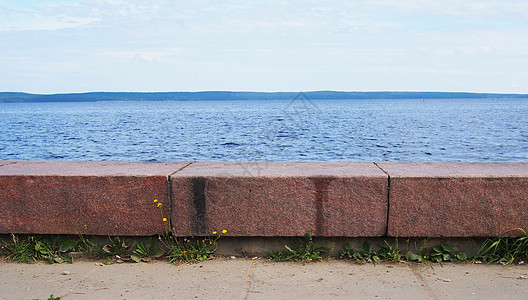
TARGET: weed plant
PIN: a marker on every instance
(306, 250)
(146, 252)
(504, 250)
(366, 254)
(392, 252)
(445, 253)
(34, 248)
(90, 249)
(186, 249)
(21, 250)
(117, 247)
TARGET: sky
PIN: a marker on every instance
(379, 45)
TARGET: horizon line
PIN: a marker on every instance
(263, 92)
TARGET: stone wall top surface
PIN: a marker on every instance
(6, 162)
(91, 168)
(280, 169)
(450, 169)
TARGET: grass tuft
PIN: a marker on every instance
(306, 250)
(504, 250)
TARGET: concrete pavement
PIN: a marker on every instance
(246, 278)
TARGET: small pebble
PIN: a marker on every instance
(66, 273)
(232, 257)
(447, 280)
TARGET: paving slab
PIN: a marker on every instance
(70, 197)
(280, 199)
(457, 199)
(92, 280)
(470, 281)
(245, 278)
(334, 279)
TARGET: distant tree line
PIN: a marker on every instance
(226, 95)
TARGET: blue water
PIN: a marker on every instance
(472, 130)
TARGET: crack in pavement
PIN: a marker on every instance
(425, 287)
(249, 281)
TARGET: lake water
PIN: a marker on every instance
(468, 130)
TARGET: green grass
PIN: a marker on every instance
(35, 248)
(306, 250)
(148, 251)
(55, 249)
(504, 250)
(190, 250)
(392, 252)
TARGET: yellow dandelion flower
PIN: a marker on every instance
(159, 204)
(214, 232)
(155, 200)
(224, 231)
(164, 219)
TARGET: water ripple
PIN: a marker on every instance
(368, 130)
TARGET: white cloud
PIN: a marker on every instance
(244, 44)
(53, 15)
(164, 56)
(473, 9)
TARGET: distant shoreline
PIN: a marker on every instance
(17, 97)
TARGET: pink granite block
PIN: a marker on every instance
(457, 199)
(280, 199)
(70, 197)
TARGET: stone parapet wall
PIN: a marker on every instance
(264, 199)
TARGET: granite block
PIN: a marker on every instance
(70, 197)
(280, 199)
(457, 199)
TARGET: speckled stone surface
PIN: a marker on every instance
(7, 162)
(280, 199)
(102, 198)
(457, 199)
(347, 199)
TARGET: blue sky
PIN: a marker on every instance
(380, 45)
